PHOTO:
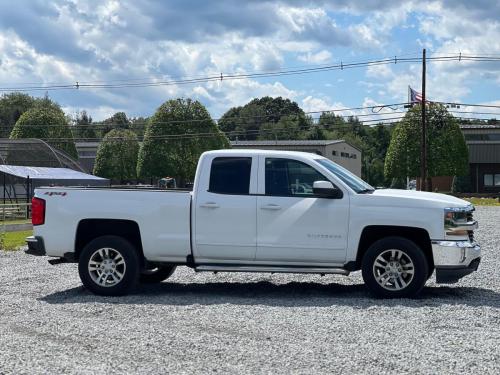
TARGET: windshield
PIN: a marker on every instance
(351, 180)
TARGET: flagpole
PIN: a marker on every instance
(423, 156)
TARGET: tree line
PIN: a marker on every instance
(169, 142)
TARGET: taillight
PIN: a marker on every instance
(37, 211)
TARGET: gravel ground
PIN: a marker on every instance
(248, 323)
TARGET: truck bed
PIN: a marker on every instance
(163, 217)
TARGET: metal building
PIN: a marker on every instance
(338, 151)
(484, 157)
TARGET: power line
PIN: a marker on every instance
(266, 116)
(229, 134)
(140, 125)
(239, 76)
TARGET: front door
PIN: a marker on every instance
(225, 223)
(293, 225)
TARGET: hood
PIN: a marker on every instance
(412, 197)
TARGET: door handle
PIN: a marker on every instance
(209, 205)
(271, 207)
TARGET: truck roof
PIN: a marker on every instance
(251, 152)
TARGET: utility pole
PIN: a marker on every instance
(423, 155)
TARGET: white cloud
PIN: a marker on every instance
(320, 57)
(314, 104)
(68, 41)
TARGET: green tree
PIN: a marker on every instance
(248, 120)
(175, 137)
(12, 106)
(447, 151)
(288, 127)
(138, 125)
(46, 123)
(47, 103)
(83, 127)
(118, 121)
(117, 155)
(331, 121)
(376, 141)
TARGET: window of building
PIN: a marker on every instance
(230, 175)
(344, 154)
(488, 180)
(353, 156)
(286, 177)
(491, 179)
(334, 153)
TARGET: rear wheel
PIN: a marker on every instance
(395, 267)
(156, 274)
(109, 266)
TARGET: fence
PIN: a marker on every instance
(14, 222)
(15, 217)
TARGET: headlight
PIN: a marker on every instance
(458, 221)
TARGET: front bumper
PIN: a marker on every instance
(455, 259)
(35, 246)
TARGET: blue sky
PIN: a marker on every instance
(65, 41)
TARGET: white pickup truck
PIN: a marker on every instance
(258, 211)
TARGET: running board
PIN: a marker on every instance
(271, 269)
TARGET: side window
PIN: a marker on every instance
(230, 175)
(286, 177)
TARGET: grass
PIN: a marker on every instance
(483, 201)
(14, 240)
(16, 221)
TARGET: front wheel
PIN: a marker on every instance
(395, 267)
(109, 266)
(156, 274)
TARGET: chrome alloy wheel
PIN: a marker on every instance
(106, 267)
(393, 269)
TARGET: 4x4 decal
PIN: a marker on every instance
(51, 193)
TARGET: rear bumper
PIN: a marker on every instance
(35, 246)
(455, 259)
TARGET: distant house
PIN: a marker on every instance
(339, 151)
(484, 157)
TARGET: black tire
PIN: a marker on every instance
(156, 274)
(404, 284)
(128, 266)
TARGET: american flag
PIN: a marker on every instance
(415, 96)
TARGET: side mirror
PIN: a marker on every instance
(325, 189)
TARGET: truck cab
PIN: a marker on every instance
(262, 211)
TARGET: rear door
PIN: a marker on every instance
(294, 225)
(225, 214)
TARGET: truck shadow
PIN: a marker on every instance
(293, 294)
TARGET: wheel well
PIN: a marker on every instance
(374, 233)
(89, 229)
